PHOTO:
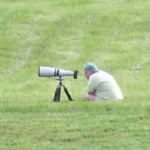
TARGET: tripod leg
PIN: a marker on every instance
(57, 94)
(67, 93)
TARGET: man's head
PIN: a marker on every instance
(90, 69)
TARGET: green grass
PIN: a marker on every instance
(67, 34)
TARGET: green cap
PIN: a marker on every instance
(92, 67)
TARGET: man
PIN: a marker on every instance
(101, 85)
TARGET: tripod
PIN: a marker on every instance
(58, 91)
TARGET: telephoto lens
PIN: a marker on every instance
(53, 72)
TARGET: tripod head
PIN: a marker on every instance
(60, 78)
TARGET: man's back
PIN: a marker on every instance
(104, 86)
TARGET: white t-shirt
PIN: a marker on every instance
(104, 85)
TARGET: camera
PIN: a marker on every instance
(44, 71)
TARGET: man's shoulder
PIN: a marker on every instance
(100, 73)
(96, 76)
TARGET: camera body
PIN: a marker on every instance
(44, 71)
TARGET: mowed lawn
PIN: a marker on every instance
(66, 34)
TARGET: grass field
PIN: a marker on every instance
(67, 34)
